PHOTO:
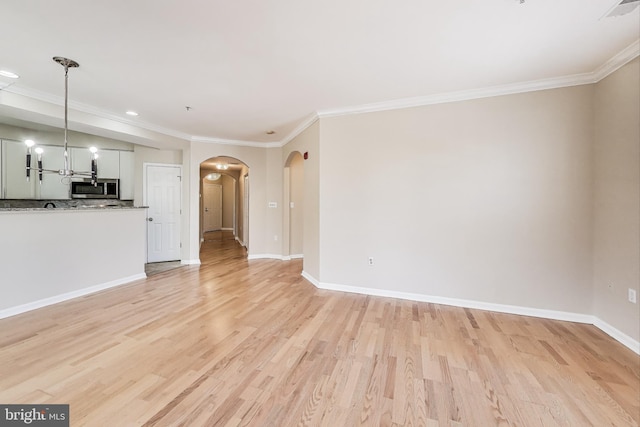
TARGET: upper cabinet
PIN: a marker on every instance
(112, 164)
(53, 186)
(14, 177)
(14, 173)
(108, 162)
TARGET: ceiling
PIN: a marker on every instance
(248, 67)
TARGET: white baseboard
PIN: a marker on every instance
(619, 336)
(275, 256)
(12, 311)
(480, 305)
(265, 256)
(190, 261)
(311, 279)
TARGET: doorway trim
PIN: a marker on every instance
(287, 222)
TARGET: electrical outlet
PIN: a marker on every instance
(632, 296)
(275, 237)
(370, 260)
(610, 287)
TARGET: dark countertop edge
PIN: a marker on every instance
(78, 209)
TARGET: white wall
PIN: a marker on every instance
(616, 254)
(486, 200)
(309, 141)
(45, 254)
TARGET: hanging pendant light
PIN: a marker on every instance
(66, 172)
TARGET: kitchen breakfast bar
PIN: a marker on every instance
(51, 255)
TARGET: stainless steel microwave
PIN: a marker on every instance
(103, 189)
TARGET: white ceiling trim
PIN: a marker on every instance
(510, 89)
(603, 71)
(311, 119)
(623, 57)
(236, 142)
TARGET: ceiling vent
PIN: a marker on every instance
(622, 8)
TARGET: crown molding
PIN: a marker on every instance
(623, 57)
(308, 121)
(466, 95)
(236, 142)
(614, 63)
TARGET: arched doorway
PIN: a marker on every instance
(223, 200)
(293, 227)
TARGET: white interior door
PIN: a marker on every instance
(163, 196)
(212, 207)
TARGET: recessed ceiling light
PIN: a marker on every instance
(132, 113)
(5, 73)
(271, 132)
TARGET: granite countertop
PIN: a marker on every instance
(45, 205)
(76, 209)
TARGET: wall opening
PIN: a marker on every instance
(223, 202)
(293, 218)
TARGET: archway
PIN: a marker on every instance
(293, 218)
(223, 199)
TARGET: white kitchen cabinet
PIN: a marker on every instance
(14, 178)
(53, 186)
(108, 164)
(126, 175)
(80, 159)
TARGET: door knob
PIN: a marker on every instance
(150, 219)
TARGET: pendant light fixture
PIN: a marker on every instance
(66, 172)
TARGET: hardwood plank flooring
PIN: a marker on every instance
(236, 342)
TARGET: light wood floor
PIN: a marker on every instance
(237, 342)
